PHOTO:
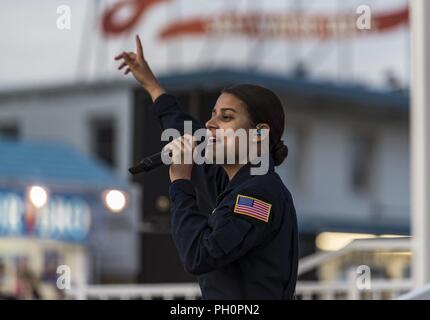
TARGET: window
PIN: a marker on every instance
(103, 140)
(9, 131)
(362, 155)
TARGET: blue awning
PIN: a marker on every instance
(53, 162)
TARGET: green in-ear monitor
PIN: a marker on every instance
(259, 132)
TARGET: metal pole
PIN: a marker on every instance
(420, 141)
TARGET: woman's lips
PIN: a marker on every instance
(213, 140)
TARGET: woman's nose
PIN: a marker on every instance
(211, 124)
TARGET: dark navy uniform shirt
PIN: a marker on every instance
(246, 245)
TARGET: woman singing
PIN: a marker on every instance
(247, 246)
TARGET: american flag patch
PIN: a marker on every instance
(252, 207)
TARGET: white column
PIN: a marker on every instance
(420, 141)
(80, 271)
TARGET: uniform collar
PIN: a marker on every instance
(243, 175)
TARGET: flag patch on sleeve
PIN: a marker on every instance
(252, 207)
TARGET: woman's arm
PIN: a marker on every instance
(170, 114)
(208, 241)
(210, 179)
(166, 106)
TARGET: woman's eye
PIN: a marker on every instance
(227, 118)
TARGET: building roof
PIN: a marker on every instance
(366, 96)
(222, 77)
(52, 163)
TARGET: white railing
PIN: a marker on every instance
(417, 294)
(315, 260)
(342, 290)
(305, 290)
(187, 291)
(346, 289)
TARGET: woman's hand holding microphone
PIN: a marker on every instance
(181, 149)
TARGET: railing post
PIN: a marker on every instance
(420, 141)
(353, 293)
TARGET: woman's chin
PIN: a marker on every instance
(219, 155)
(210, 154)
(213, 154)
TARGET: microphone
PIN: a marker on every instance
(149, 163)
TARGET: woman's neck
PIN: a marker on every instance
(232, 169)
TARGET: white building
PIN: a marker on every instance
(84, 120)
(348, 165)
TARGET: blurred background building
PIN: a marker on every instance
(72, 126)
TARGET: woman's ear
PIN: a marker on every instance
(262, 132)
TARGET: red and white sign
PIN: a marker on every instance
(291, 25)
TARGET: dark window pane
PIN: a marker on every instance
(103, 140)
(362, 160)
(9, 131)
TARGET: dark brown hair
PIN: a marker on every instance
(264, 106)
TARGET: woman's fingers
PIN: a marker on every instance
(126, 57)
(129, 60)
(118, 56)
(133, 61)
(190, 140)
(187, 145)
(139, 49)
(181, 150)
(176, 151)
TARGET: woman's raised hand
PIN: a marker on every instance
(135, 63)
